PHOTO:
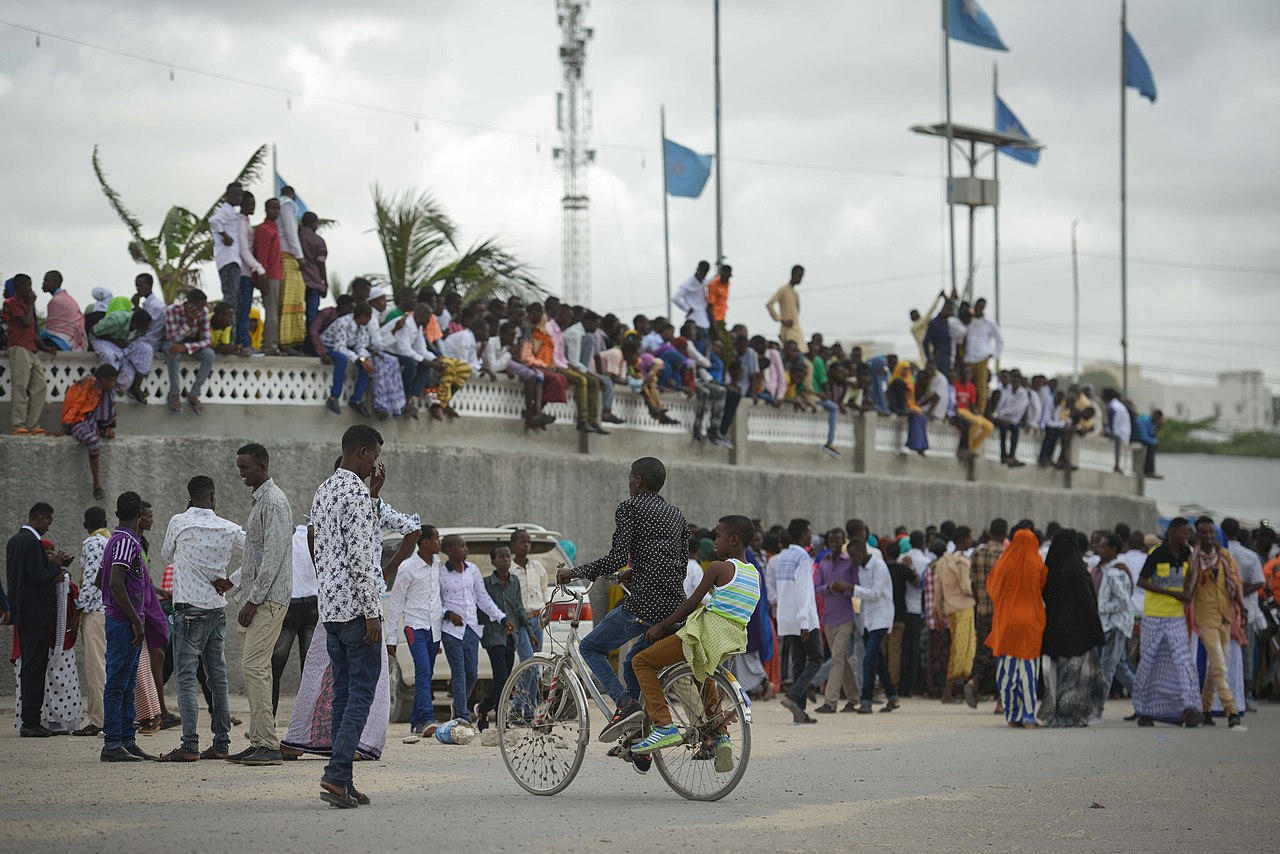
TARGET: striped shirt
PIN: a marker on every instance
(737, 600)
(124, 549)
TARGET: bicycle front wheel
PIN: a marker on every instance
(543, 728)
(704, 767)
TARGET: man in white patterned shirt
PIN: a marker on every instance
(200, 543)
(93, 626)
(350, 602)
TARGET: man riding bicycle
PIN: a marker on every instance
(652, 537)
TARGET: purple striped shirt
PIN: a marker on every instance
(125, 548)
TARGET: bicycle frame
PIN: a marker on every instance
(572, 656)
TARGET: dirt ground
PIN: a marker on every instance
(925, 778)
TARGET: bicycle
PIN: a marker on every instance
(544, 723)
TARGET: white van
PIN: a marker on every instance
(480, 541)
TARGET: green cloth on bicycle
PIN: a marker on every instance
(708, 639)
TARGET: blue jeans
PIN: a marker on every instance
(873, 665)
(340, 363)
(229, 277)
(833, 414)
(424, 648)
(876, 390)
(199, 635)
(122, 677)
(524, 648)
(463, 655)
(672, 370)
(204, 357)
(617, 627)
(242, 311)
(356, 666)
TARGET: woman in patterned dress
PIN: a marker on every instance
(62, 710)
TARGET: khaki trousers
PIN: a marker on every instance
(841, 675)
(257, 643)
(1216, 637)
(893, 650)
(28, 387)
(982, 382)
(979, 428)
(93, 628)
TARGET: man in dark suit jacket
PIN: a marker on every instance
(33, 584)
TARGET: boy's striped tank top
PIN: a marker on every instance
(737, 600)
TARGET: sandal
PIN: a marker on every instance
(360, 798)
(137, 395)
(341, 798)
(196, 406)
(170, 721)
(175, 404)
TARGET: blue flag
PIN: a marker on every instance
(970, 24)
(1007, 122)
(1137, 74)
(687, 170)
(297, 200)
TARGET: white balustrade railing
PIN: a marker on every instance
(279, 381)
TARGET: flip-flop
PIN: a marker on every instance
(341, 800)
(361, 798)
(196, 406)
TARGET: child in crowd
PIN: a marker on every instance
(222, 330)
(711, 633)
(500, 637)
(462, 591)
(89, 415)
(415, 609)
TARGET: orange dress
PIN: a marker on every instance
(1015, 584)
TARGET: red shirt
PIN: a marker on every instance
(966, 395)
(266, 248)
(21, 318)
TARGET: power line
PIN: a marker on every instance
(1189, 265)
(290, 94)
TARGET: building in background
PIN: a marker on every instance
(1241, 401)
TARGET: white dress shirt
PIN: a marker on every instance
(1013, 404)
(225, 221)
(1134, 560)
(1120, 426)
(496, 359)
(304, 568)
(1035, 405)
(983, 341)
(573, 346)
(796, 599)
(691, 298)
(248, 263)
(199, 543)
(462, 345)
(958, 331)
(415, 599)
(533, 583)
(407, 341)
(288, 222)
(462, 593)
(939, 386)
(919, 561)
(875, 589)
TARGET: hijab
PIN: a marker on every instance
(1015, 585)
(1072, 626)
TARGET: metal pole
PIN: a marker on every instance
(666, 230)
(995, 167)
(719, 151)
(951, 211)
(1075, 291)
(973, 169)
(274, 172)
(1124, 208)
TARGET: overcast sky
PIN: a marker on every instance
(826, 83)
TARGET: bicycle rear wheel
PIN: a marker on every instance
(702, 716)
(543, 728)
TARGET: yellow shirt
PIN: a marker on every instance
(219, 337)
(255, 327)
(1167, 573)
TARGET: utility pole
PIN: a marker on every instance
(1075, 290)
(719, 148)
(573, 120)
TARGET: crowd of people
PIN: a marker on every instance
(410, 351)
(1048, 623)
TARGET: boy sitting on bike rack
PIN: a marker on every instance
(711, 633)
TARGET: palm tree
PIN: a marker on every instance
(184, 241)
(419, 243)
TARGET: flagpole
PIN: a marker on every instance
(1124, 206)
(274, 172)
(951, 210)
(666, 230)
(995, 165)
(719, 153)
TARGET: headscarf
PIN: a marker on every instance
(1015, 586)
(904, 371)
(1072, 626)
(119, 304)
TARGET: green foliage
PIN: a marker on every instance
(1176, 438)
(420, 247)
(184, 241)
